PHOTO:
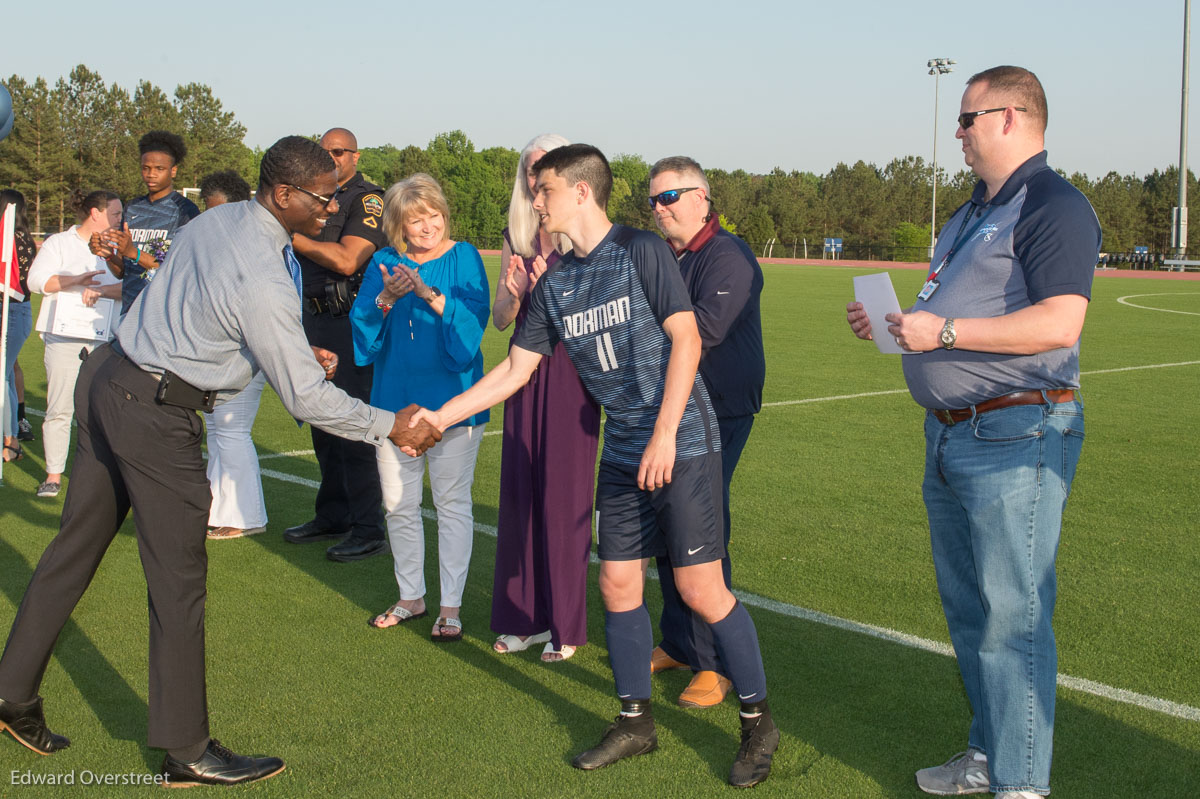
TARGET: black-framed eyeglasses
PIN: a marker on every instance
(968, 119)
(338, 152)
(321, 198)
(669, 197)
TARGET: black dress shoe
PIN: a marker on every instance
(219, 766)
(27, 724)
(314, 530)
(356, 548)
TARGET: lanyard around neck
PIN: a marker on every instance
(958, 240)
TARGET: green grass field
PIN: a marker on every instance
(827, 517)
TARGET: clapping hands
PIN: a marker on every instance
(517, 280)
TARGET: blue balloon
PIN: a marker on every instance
(6, 112)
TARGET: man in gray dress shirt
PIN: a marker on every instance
(226, 304)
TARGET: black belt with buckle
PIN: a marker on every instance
(172, 389)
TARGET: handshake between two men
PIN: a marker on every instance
(413, 438)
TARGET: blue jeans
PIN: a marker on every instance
(20, 322)
(995, 489)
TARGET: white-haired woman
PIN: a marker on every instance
(548, 463)
(419, 318)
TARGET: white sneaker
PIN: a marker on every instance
(1018, 795)
(966, 772)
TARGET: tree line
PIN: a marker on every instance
(81, 133)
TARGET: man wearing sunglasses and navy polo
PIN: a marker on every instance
(995, 336)
(349, 502)
(724, 282)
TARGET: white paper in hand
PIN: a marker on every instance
(878, 298)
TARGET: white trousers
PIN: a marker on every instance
(233, 473)
(62, 368)
(451, 473)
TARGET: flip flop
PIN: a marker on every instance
(513, 643)
(402, 615)
(18, 450)
(549, 652)
(446, 638)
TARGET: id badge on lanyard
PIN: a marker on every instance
(932, 284)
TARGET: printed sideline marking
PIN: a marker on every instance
(1163, 706)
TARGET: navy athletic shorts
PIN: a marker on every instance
(682, 519)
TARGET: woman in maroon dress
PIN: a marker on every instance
(548, 464)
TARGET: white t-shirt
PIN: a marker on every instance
(64, 253)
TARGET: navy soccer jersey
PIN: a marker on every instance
(152, 226)
(608, 310)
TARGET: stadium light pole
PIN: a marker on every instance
(1180, 221)
(937, 68)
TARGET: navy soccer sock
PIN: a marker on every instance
(630, 641)
(737, 644)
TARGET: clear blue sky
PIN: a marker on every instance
(748, 84)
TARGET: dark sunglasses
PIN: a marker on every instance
(669, 197)
(968, 119)
(321, 198)
(338, 152)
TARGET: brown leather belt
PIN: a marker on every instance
(1055, 395)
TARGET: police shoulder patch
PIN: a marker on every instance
(372, 204)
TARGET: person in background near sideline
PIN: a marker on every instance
(139, 246)
(725, 282)
(238, 508)
(997, 325)
(548, 461)
(419, 321)
(20, 322)
(139, 448)
(66, 265)
(348, 502)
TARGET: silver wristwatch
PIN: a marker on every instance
(948, 335)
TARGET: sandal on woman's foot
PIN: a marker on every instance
(398, 612)
(439, 635)
(507, 644)
(552, 655)
(17, 451)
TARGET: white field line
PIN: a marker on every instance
(1153, 703)
(1125, 301)
(1164, 706)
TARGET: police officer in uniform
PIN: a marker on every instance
(349, 501)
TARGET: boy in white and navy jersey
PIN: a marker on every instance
(139, 246)
(619, 305)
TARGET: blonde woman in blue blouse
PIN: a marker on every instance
(419, 318)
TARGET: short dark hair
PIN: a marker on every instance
(163, 141)
(1019, 84)
(99, 200)
(580, 163)
(228, 184)
(293, 160)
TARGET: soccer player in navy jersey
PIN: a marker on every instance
(619, 305)
(150, 222)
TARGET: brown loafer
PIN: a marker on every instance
(661, 661)
(706, 689)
